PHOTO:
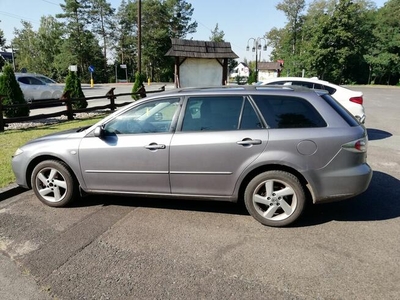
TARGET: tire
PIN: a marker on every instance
(45, 96)
(275, 198)
(56, 95)
(53, 183)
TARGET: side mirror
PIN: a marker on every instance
(158, 116)
(99, 132)
(194, 110)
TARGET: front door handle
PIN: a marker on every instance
(248, 142)
(155, 146)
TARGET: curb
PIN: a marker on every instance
(10, 191)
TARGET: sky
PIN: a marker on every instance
(240, 20)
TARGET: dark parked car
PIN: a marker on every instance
(273, 147)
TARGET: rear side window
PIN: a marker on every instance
(330, 90)
(347, 116)
(288, 112)
(309, 85)
(219, 113)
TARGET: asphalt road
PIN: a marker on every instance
(130, 248)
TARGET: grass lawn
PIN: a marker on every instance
(10, 140)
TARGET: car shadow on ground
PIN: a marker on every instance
(379, 202)
(163, 203)
(377, 134)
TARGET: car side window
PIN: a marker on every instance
(219, 113)
(249, 118)
(318, 86)
(35, 81)
(330, 90)
(149, 117)
(24, 80)
(288, 112)
(309, 85)
(277, 83)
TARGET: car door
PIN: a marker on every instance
(133, 153)
(219, 137)
(29, 89)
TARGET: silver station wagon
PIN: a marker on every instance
(275, 148)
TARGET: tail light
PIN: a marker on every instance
(358, 100)
(358, 146)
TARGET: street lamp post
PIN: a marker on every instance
(257, 45)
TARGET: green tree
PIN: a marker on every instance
(252, 78)
(73, 85)
(232, 63)
(293, 10)
(27, 49)
(384, 58)
(329, 41)
(161, 21)
(139, 78)
(126, 39)
(2, 44)
(12, 93)
(76, 23)
(2, 39)
(180, 18)
(36, 51)
(92, 55)
(103, 24)
(343, 41)
(287, 42)
(217, 35)
(49, 41)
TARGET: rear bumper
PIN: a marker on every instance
(342, 184)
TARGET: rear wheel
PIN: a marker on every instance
(275, 198)
(53, 183)
(45, 95)
(57, 95)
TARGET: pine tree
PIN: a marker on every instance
(12, 93)
(73, 85)
(139, 78)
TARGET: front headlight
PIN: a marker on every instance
(18, 152)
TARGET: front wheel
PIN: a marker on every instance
(275, 198)
(53, 183)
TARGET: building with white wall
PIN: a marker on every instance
(200, 63)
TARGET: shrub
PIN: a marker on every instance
(252, 78)
(139, 78)
(12, 94)
(73, 85)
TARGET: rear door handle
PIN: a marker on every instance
(247, 142)
(155, 146)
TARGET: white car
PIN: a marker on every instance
(351, 100)
(37, 87)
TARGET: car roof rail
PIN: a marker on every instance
(241, 88)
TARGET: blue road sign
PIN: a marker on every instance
(91, 69)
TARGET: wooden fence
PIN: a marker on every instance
(68, 101)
